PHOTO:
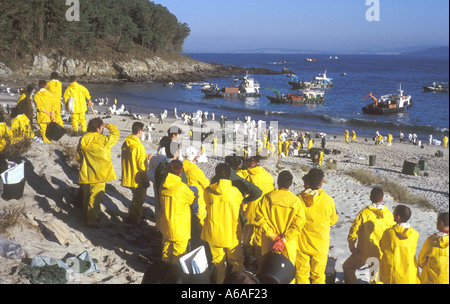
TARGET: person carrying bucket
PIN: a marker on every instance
(281, 217)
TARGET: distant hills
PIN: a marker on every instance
(422, 50)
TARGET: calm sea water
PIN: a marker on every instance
(342, 109)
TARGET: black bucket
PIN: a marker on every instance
(275, 269)
(13, 191)
(54, 131)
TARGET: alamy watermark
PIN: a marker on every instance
(373, 12)
(73, 13)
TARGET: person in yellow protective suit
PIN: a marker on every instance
(55, 86)
(252, 234)
(134, 171)
(281, 217)
(320, 159)
(365, 234)
(310, 143)
(21, 129)
(280, 147)
(389, 139)
(222, 226)
(445, 141)
(215, 140)
(354, 136)
(314, 239)
(44, 101)
(398, 251)
(196, 178)
(174, 217)
(4, 136)
(79, 93)
(433, 257)
(96, 168)
(347, 135)
(287, 145)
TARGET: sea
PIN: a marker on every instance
(342, 109)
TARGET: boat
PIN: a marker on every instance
(248, 87)
(306, 97)
(388, 104)
(310, 60)
(436, 87)
(186, 85)
(318, 82)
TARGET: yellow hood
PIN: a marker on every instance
(310, 197)
(402, 232)
(221, 187)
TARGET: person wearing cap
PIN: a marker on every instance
(222, 228)
(25, 103)
(134, 171)
(174, 218)
(281, 217)
(79, 94)
(251, 233)
(96, 168)
(314, 239)
(44, 101)
(55, 86)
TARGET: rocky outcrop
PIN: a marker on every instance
(156, 69)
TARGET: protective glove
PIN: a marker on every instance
(278, 245)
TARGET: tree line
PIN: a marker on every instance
(105, 26)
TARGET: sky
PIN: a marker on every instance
(323, 25)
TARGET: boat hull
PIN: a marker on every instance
(372, 109)
(301, 86)
(435, 89)
(281, 100)
(220, 94)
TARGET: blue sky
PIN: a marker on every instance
(324, 25)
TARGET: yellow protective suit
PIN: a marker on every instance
(346, 136)
(96, 168)
(134, 162)
(44, 103)
(389, 139)
(365, 234)
(174, 217)
(264, 181)
(398, 262)
(134, 174)
(4, 136)
(222, 228)
(80, 94)
(280, 213)
(94, 155)
(55, 87)
(433, 259)
(21, 129)
(280, 147)
(314, 240)
(354, 136)
(310, 144)
(445, 141)
(242, 173)
(196, 177)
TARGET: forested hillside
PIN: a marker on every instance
(106, 28)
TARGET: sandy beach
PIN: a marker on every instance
(123, 251)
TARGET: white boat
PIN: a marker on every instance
(388, 104)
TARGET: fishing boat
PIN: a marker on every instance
(388, 104)
(248, 87)
(310, 60)
(436, 87)
(306, 97)
(318, 82)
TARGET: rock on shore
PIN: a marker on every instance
(177, 68)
